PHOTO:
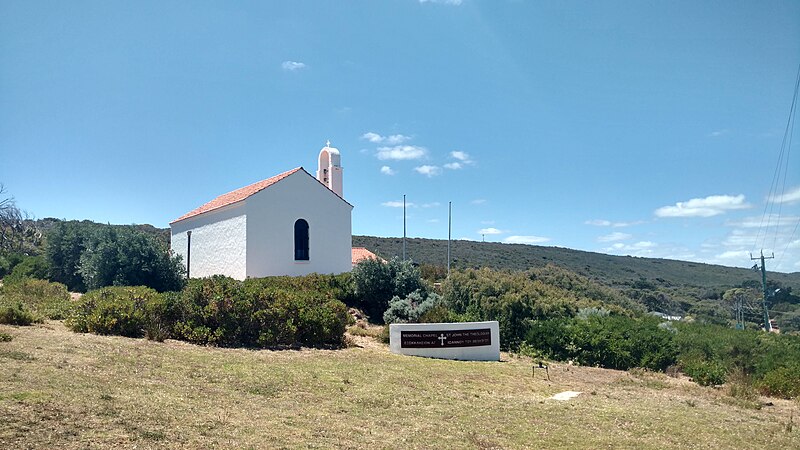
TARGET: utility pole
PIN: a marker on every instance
(767, 325)
(449, 233)
(404, 227)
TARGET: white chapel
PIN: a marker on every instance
(290, 224)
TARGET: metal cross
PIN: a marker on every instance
(442, 338)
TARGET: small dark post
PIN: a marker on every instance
(188, 251)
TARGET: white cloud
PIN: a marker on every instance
(386, 170)
(639, 248)
(712, 205)
(734, 255)
(790, 197)
(478, 201)
(615, 236)
(453, 166)
(397, 204)
(431, 205)
(401, 152)
(794, 244)
(758, 222)
(459, 155)
(718, 133)
(393, 139)
(525, 240)
(608, 223)
(292, 65)
(598, 223)
(428, 171)
(490, 230)
(432, 220)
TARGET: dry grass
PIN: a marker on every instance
(67, 390)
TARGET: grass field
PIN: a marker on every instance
(60, 389)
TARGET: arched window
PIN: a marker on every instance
(301, 240)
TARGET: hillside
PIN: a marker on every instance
(69, 390)
(612, 270)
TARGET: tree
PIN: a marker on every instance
(18, 233)
(124, 256)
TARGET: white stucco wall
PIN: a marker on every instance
(271, 215)
(218, 242)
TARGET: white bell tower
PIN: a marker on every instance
(330, 169)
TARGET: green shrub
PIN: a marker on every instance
(783, 382)
(262, 312)
(5, 337)
(116, 310)
(42, 298)
(375, 283)
(705, 372)
(16, 314)
(29, 267)
(411, 308)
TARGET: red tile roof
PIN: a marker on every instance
(236, 196)
(359, 253)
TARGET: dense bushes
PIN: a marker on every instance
(266, 312)
(412, 308)
(29, 301)
(86, 255)
(376, 282)
(117, 310)
(615, 342)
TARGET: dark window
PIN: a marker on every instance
(301, 240)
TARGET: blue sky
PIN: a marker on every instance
(641, 128)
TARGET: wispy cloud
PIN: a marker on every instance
(718, 133)
(428, 171)
(530, 240)
(790, 197)
(393, 139)
(397, 204)
(639, 248)
(401, 152)
(712, 205)
(615, 236)
(490, 230)
(757, 222)
(431, 205)
(292, 65)
(461, 159)
(478, 201)
(608, 223)
(386, 170)
(487, 222)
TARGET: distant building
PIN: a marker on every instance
(290, 224)
(361, 253)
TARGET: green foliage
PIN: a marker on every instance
(410, 308)
(40, 298)
(28, 267)
(705, 372)
(596, 339)
(127, 257)
(782, 382)
(376, 282)
(115, 310)
(5, 337)
(263, 312)
(15, 313)
(66, 242)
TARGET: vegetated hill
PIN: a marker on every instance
(616, 271)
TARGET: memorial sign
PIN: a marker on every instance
(473, 341)
(445, 338)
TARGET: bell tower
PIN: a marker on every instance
(329, 172)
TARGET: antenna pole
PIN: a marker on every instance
(767, 325)
(449, 232)
(404, 227)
